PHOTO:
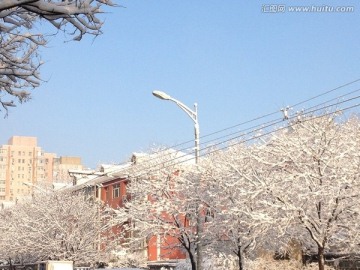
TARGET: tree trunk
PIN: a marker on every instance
(199, 231)
(239, 254)
(192, 260)
(10, 264)
(321, 258)
(190, 251)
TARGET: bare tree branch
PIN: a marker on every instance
(19, 44)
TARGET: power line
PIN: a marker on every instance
(290, 125)
(262, 117)
(267, 115)
(148, 170)
(184, 158)
(327, 92)
(260, 126)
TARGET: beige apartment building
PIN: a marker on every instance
(25, 167)
(61, 168)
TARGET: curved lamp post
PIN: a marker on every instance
(194, 116)
(191, 113)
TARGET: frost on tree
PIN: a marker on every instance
(55, 226)
(297, 185)
(239, 221)
(163, 204)
(314, 170)
(20, 40)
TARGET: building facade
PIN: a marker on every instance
(109, 185)
(62, 166)
(24, 167)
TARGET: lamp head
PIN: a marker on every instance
(161, 95)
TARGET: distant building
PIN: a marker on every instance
(62, 165)
(24, 167)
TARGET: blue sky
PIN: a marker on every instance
(234, 60)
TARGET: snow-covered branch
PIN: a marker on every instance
(19, 42)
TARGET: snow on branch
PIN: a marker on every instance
(19, 42)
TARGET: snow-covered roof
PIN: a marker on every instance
(117, 168)
(108, 172)
(7, 204)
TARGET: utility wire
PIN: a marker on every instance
(266, 115)
(258, 128)
(262, 117)
(286, 127)
(293, 117)
(255, 128)
(149, 169)
(327, 92)
(258, 118)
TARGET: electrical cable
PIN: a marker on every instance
(164, 154)
(263, 116)
(262, 125)
(259, 128)
(250, 139)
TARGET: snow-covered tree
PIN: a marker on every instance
(20, 39)
(299, 184)
(55, 226)
(314, 168)
(164, 203)
(238, 220)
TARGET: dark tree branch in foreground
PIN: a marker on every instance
(19, 41)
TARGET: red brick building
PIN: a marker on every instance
(110, 186)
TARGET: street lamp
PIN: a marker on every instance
(191, 113)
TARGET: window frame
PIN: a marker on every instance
(116, 190)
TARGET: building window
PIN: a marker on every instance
(107, 194)
(209, 215)
(116, 190)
